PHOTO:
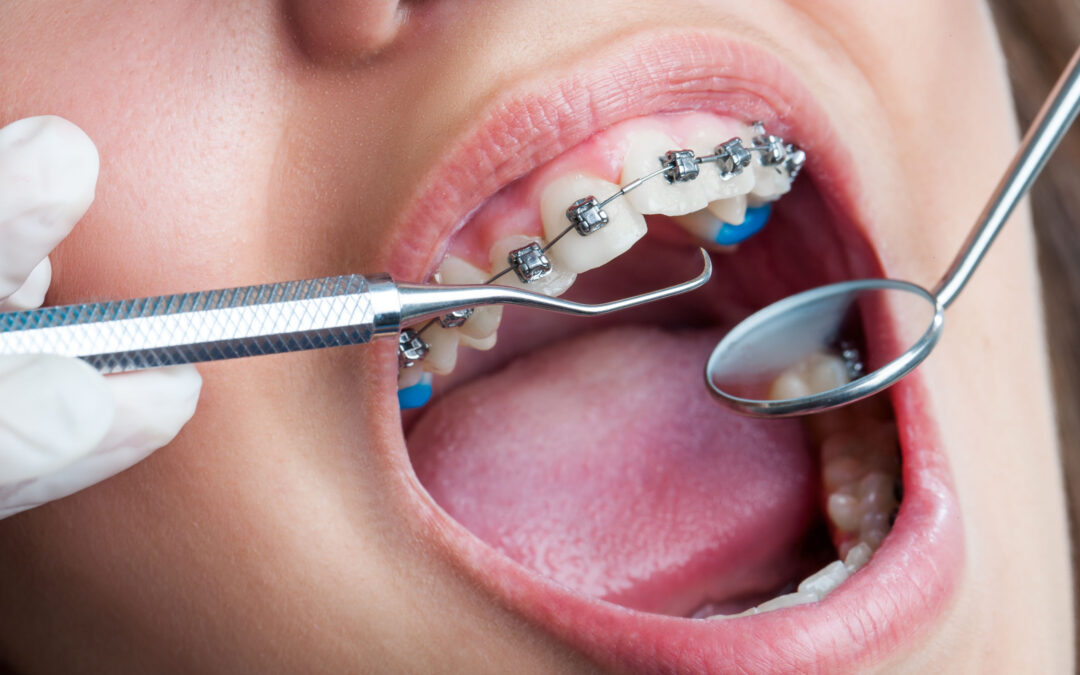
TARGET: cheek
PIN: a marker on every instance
(187, 131)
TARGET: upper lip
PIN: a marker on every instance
(909, 582)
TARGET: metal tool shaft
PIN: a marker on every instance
(268, 319)
(1054, 119)
(206, 326)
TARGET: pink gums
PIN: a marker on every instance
(516, 208)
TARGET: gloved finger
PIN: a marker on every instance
(32, 293)
(48, 173)
(53, 410)
(151, 408)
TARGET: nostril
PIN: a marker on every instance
(344, 30)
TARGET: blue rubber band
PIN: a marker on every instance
(417, 395)
(756, 217)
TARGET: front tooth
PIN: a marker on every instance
(578, 253)
(481, 326)
(442, 349)
(553, 283)
(657, 195)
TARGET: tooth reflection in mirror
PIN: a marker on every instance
(898, 321)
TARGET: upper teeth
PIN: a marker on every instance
(577, 253)
(595, 220)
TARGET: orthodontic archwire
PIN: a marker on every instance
(586, 215)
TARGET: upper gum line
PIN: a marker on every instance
(515, 209)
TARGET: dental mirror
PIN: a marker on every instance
(880, 328)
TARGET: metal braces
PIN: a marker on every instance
(852, 358)
(411, 348)
(530, 262)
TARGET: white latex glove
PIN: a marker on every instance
(63, 426)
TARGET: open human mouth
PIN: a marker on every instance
(595, 486)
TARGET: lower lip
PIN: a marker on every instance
(889, 604)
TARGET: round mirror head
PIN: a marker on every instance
(824, 348)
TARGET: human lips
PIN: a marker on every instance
(908, 583)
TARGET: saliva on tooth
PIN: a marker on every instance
(755, 175)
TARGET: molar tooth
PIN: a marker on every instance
(843, 511)
(484, 320)
(442, 349)
(876, 493)
(822, 582)
(578, 253)
(553, 283)
(646, 147)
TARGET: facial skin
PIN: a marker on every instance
(243, 143)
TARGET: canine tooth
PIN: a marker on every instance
(575, 252)
(657, 195)
(822, 582)
(730, 210)
(843, 510)
(553, 283)
(442, 349)
(484, 320)
(786, 600)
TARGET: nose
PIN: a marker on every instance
(344, 30)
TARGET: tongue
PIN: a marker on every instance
(602, 463)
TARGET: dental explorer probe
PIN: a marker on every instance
(127, 335)
(787, 333)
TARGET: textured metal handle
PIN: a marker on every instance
(193, 327)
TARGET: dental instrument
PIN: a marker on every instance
(785, 334)
(152, 332)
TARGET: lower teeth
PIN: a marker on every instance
(860, 462)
